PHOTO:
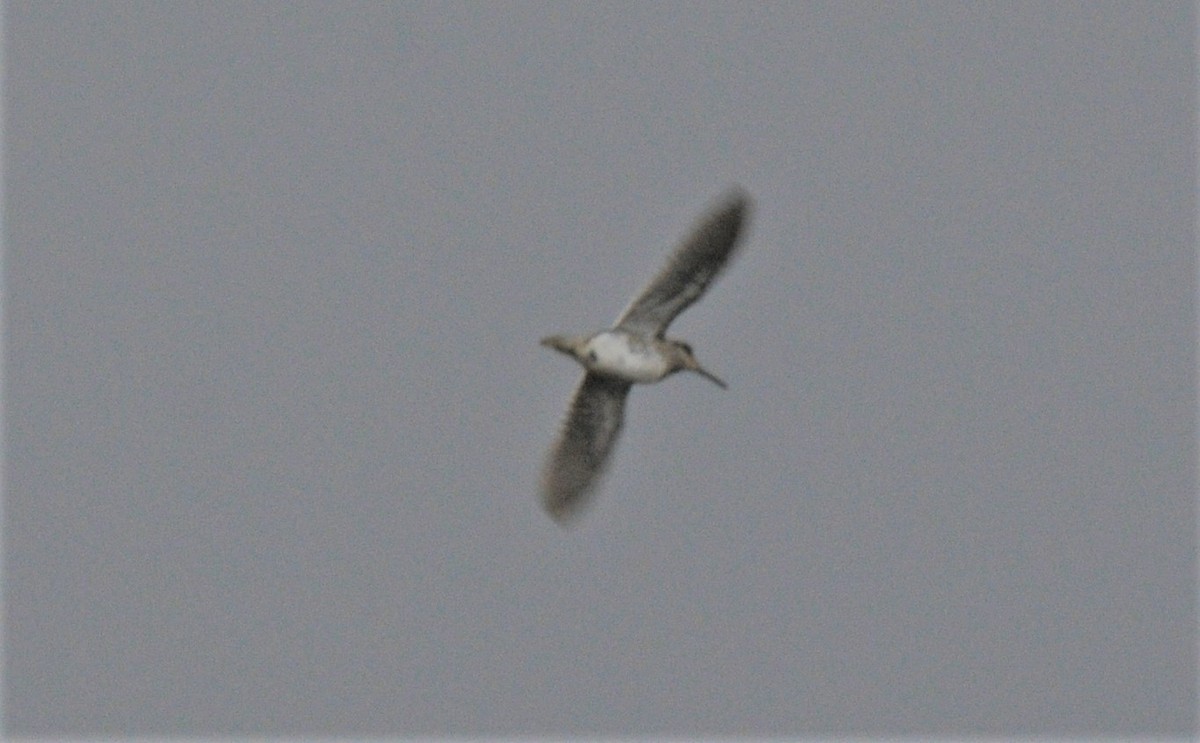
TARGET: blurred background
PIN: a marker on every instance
(275, 408)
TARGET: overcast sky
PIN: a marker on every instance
(275, 408)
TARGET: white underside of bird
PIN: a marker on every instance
(625, 356)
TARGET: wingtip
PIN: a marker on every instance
(562, 511)
(735, 204)
(562, 519)
(736, 196)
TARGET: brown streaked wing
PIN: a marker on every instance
(695, 264)
(585, 444)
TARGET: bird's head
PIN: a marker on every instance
(686, 360)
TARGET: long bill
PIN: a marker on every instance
(709, 376)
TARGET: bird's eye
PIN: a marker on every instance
(591, 355)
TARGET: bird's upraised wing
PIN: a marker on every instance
(578, 457)
(695, 264)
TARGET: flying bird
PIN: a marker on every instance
(634, 351)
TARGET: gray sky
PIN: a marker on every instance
(275, 409)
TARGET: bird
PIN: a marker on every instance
(634, 351)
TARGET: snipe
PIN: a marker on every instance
(633, 351)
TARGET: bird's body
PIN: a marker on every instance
(634, 351)
(624, 355)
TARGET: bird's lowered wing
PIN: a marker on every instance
(583, 447)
